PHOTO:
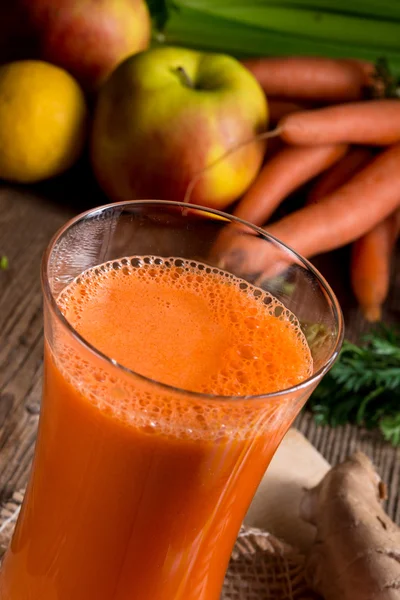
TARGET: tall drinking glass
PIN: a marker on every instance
(138, 488)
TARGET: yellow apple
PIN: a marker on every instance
(165, 115)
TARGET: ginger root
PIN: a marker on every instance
(356, 553)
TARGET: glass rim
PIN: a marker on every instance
(308, 382)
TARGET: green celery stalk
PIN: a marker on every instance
(381, 9)
(313, 24)
(196, 28)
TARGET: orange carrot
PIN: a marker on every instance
(339, 173)
(340, 218)
(376, 122)
(309, 78)
(281, 175)
(370, 266)
(280, 108)
(348, 212)
(367, 67)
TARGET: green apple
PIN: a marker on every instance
(167, 114)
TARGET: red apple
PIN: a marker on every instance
(165, 115)
(89, 38)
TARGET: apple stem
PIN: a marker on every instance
(184, 77)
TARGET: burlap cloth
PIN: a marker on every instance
(261, 568)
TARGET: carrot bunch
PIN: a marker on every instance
(348, 146)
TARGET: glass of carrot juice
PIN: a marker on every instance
(170, 379)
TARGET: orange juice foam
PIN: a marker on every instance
(187, 325)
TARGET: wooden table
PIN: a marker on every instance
(28, 218)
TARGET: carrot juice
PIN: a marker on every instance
(141, 480)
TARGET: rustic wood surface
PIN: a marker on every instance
(28, 218)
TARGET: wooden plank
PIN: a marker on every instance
(26, 224)
(27, 221)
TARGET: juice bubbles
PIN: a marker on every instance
(138, 489)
